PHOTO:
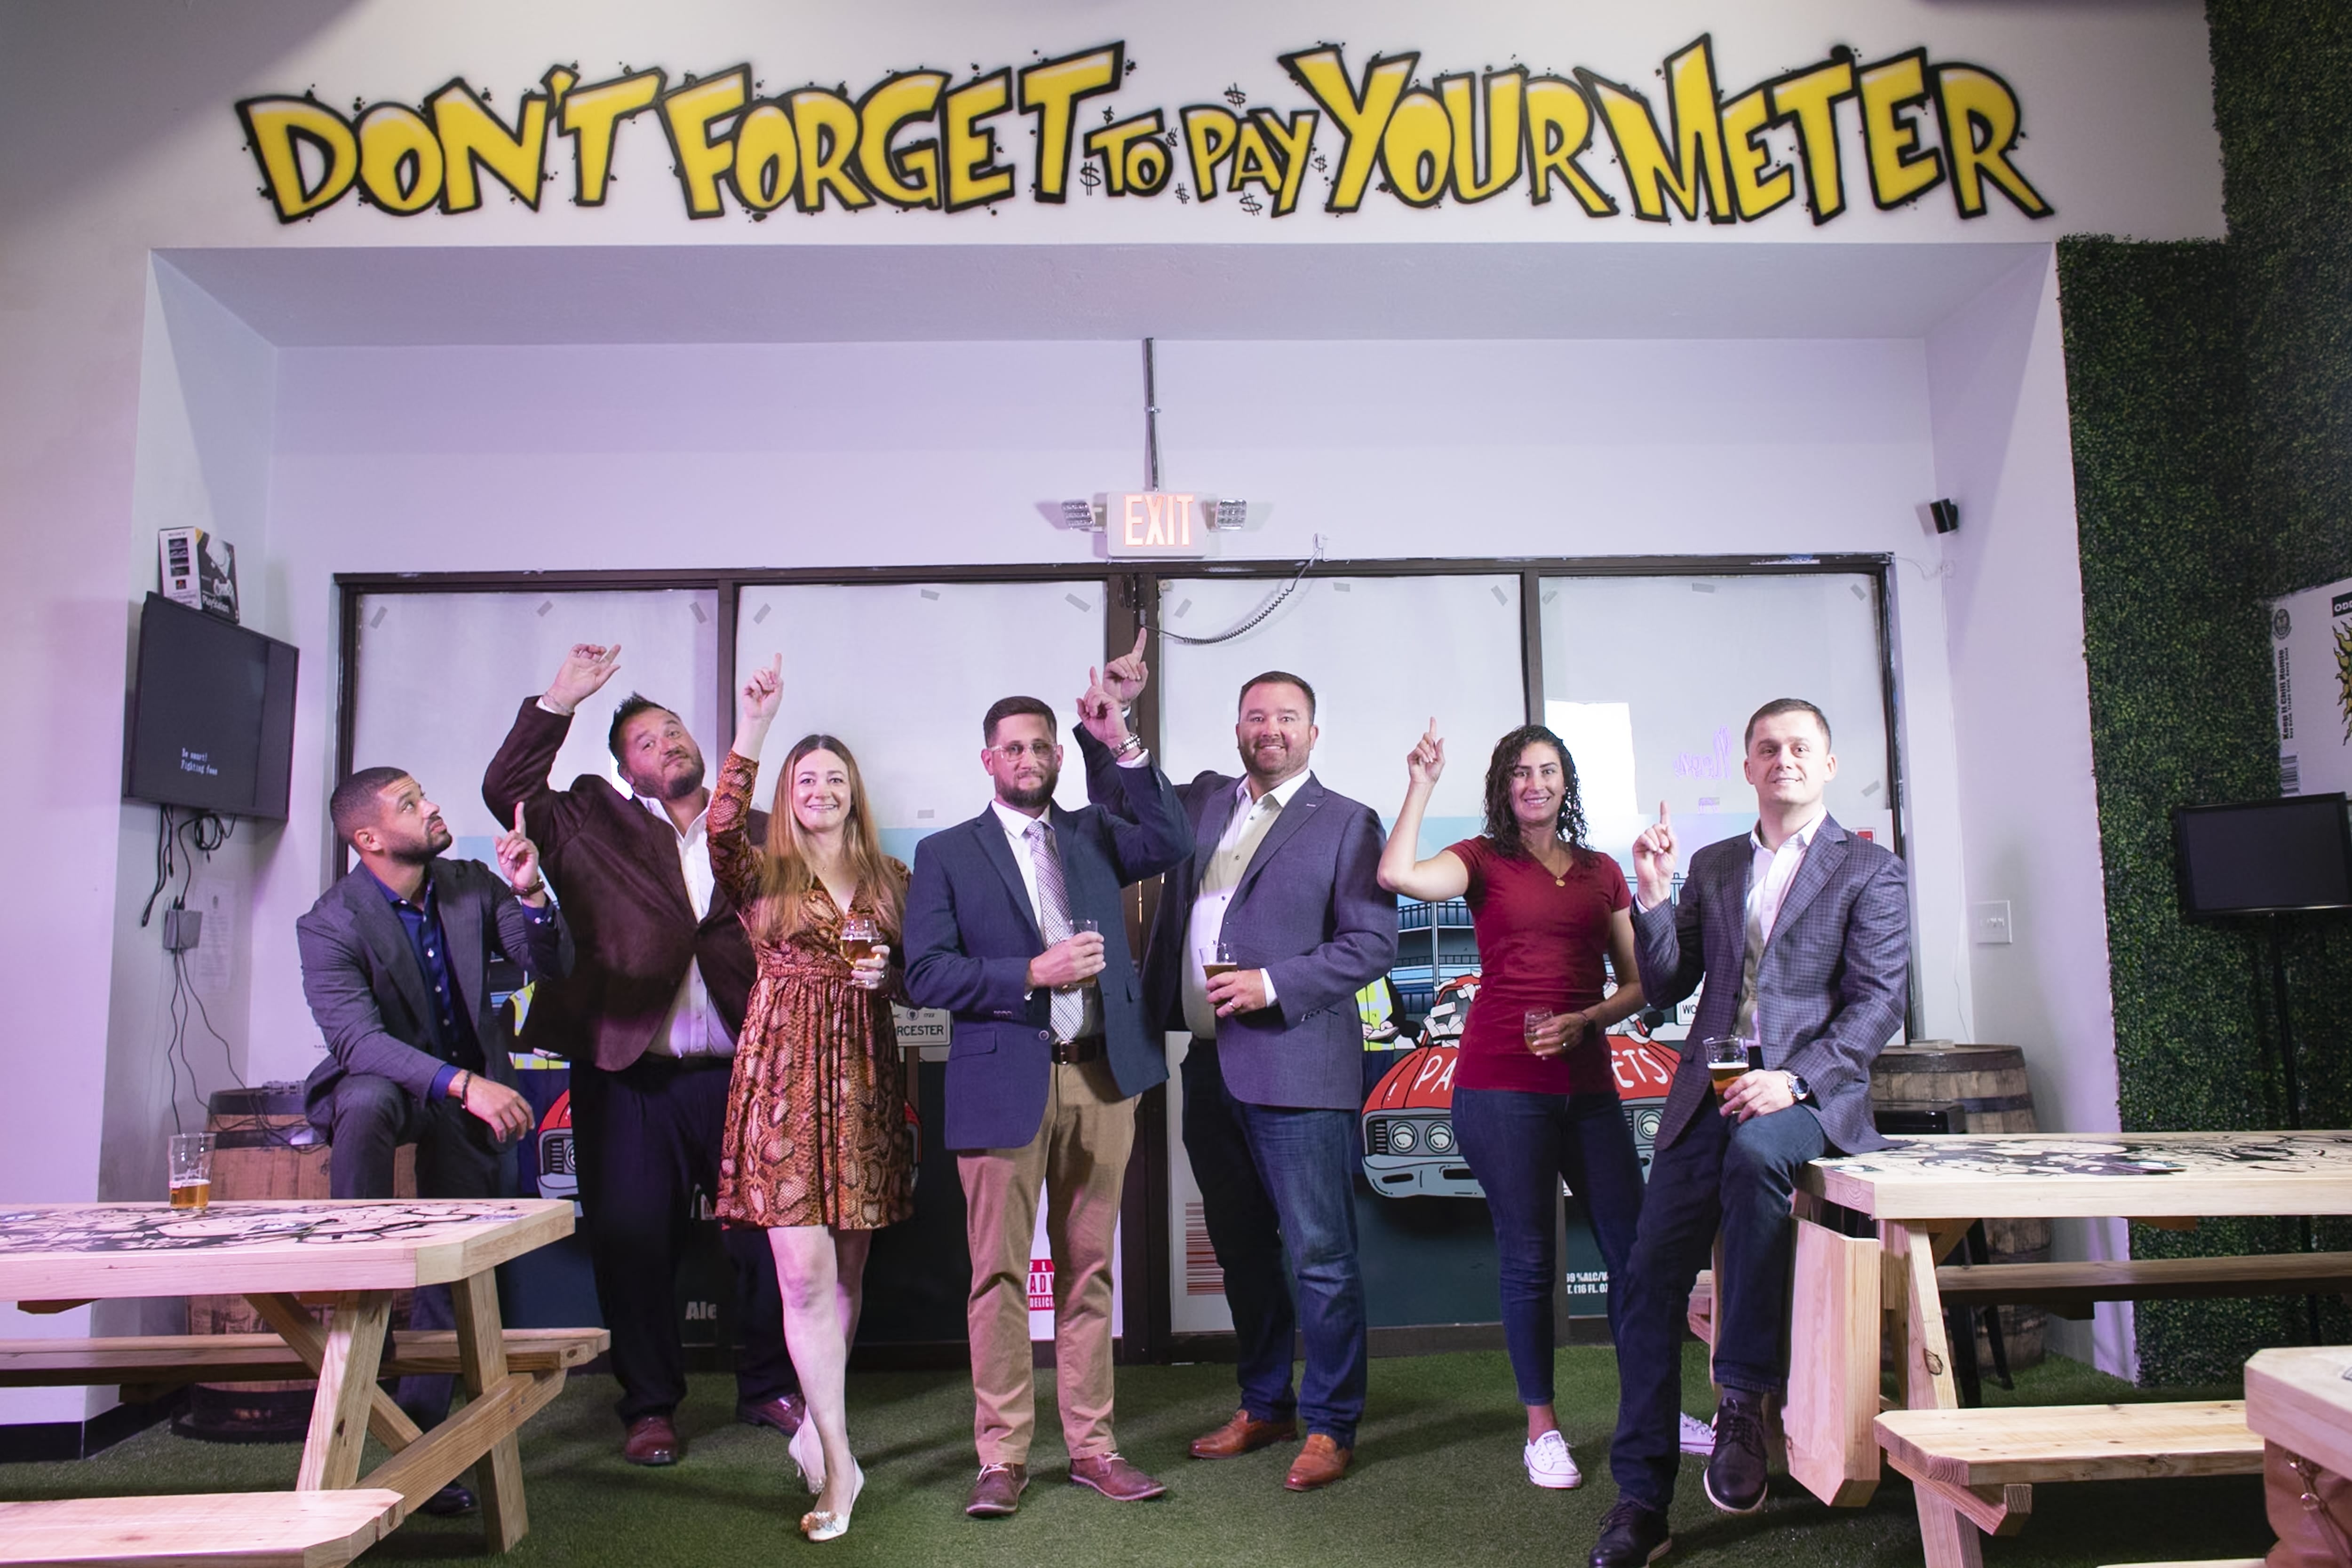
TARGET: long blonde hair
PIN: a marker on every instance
(785, 875)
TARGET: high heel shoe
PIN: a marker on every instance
(824, 1524)
(808, 1457)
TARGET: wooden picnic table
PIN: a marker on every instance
(286, 1256)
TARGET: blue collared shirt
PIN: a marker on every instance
(452, 1038)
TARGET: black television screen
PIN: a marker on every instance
(2263, 857)
(212, 717)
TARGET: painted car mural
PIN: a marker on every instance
(1410, 1148)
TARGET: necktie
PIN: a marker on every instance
(1069, 1007)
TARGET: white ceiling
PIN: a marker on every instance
(403, 296)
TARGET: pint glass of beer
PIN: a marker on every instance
(1221, 962)
(857, 935)
(192, 1170)
(1730, 1056)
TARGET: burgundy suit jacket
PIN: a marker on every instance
(615, 868)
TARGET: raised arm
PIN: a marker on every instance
(517, 775)
(531, 930)
(734, 858)
(1442, 875)
(1667, 950)
(1148, 830)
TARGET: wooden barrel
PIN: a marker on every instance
(1988, 1083)
(262, 1148)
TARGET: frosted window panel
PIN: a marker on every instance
(440, 675)
(1650, 680)
(902, 673)
(1385, 655)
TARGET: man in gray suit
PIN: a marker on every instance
(396, 967)
(1283, 887)
(1802, 933)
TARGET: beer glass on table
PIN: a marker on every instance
(192, 1170)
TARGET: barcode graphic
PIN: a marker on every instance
(1202, 1275)
(2290, 776)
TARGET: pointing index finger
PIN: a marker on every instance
(1140, 635)
(518, 819)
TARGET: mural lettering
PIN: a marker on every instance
(1686, 153)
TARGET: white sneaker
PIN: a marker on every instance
(1550, 1465)
(1698, 1436)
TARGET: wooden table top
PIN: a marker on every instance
(2143, 1176)
(2300, 1398)
(73, 1251)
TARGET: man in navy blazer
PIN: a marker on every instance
(1015, 924)
(1802, 933)
(1284, 879)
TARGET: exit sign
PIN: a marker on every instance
(1143, 524)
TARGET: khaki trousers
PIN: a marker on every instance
(1079, 1156)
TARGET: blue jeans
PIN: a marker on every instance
(1273, 1177)
(1717, 1175)
(1521, 1146)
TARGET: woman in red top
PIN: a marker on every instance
(1535, 1101)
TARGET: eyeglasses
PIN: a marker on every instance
(1011, 749)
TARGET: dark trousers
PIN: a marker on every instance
(1273, 1177)
(1521, 1147)
(457, 1156)
(645, 1139)
(1717, 1175)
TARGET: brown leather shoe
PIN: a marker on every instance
(998, 1490)
(1318, 1464)
(652, 1441)
(783, 1413)
(1244, 1434)
(1112, 1476)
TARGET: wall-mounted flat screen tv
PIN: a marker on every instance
(2263, 857)
(212, 717)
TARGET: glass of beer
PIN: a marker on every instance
(1730, 1056)
(1221, 962)
(192, 1170)
(1532, 1025)
(857, 935)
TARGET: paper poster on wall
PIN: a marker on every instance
(2311, 648)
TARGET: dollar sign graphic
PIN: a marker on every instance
(1235, 96)
(1089, 176)
(1251, 205)
(1183, 196)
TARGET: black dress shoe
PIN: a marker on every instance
(784, 1413)
(1735, 1472)
(449, 1502)
(1630, 1536)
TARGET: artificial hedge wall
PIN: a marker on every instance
(2210, 392)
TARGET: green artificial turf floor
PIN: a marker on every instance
(1437, 1481)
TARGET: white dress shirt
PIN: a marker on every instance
(1251, 817)
(692, 1026)
(1017, 825)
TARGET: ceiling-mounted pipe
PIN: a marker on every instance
(1150, 423)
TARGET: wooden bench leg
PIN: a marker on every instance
(1948, 1539)
(346, 1369)
(387, 1421)
(482, 1352)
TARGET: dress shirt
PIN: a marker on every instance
(1015, 824)
(692, 1027)
(1770, 874)
(453, 1033)
(1219, 876)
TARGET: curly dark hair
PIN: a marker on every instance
(1502, 826)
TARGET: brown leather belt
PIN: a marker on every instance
(1070, 1053)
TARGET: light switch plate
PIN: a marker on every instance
(1991, 923)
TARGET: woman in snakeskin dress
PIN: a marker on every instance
(816, 1147)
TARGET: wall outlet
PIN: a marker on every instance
(1991, 925)
(183, 929)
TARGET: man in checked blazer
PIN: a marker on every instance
(1046, 1053)
(1802, 933)
(1284, 878)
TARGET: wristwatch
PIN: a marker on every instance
(1799, 1087)
(1128, 748)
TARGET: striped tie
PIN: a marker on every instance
(1053, 924)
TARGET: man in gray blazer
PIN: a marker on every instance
(1802, 933)
(1282, 880)
(396, 967)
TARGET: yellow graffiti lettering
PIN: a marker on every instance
(1051, 90)
(974, 176)
(687, 114)
(1970, 100)
(471, 134)
(1134, 160)
(1900, 169)
(591, 117)
(825, 124)
(1754, 193)
(1209, 132)
(278, 130)
(1498, 138)
(1698, 165)
(1417, 149)
(906, 176)
(1363, 118)
(1293, 143)
(1810, 98)
(400, 158)
(1560, 126)
(767, 157)
(1254, 162)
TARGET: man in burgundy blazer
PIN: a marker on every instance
(648, 1017)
